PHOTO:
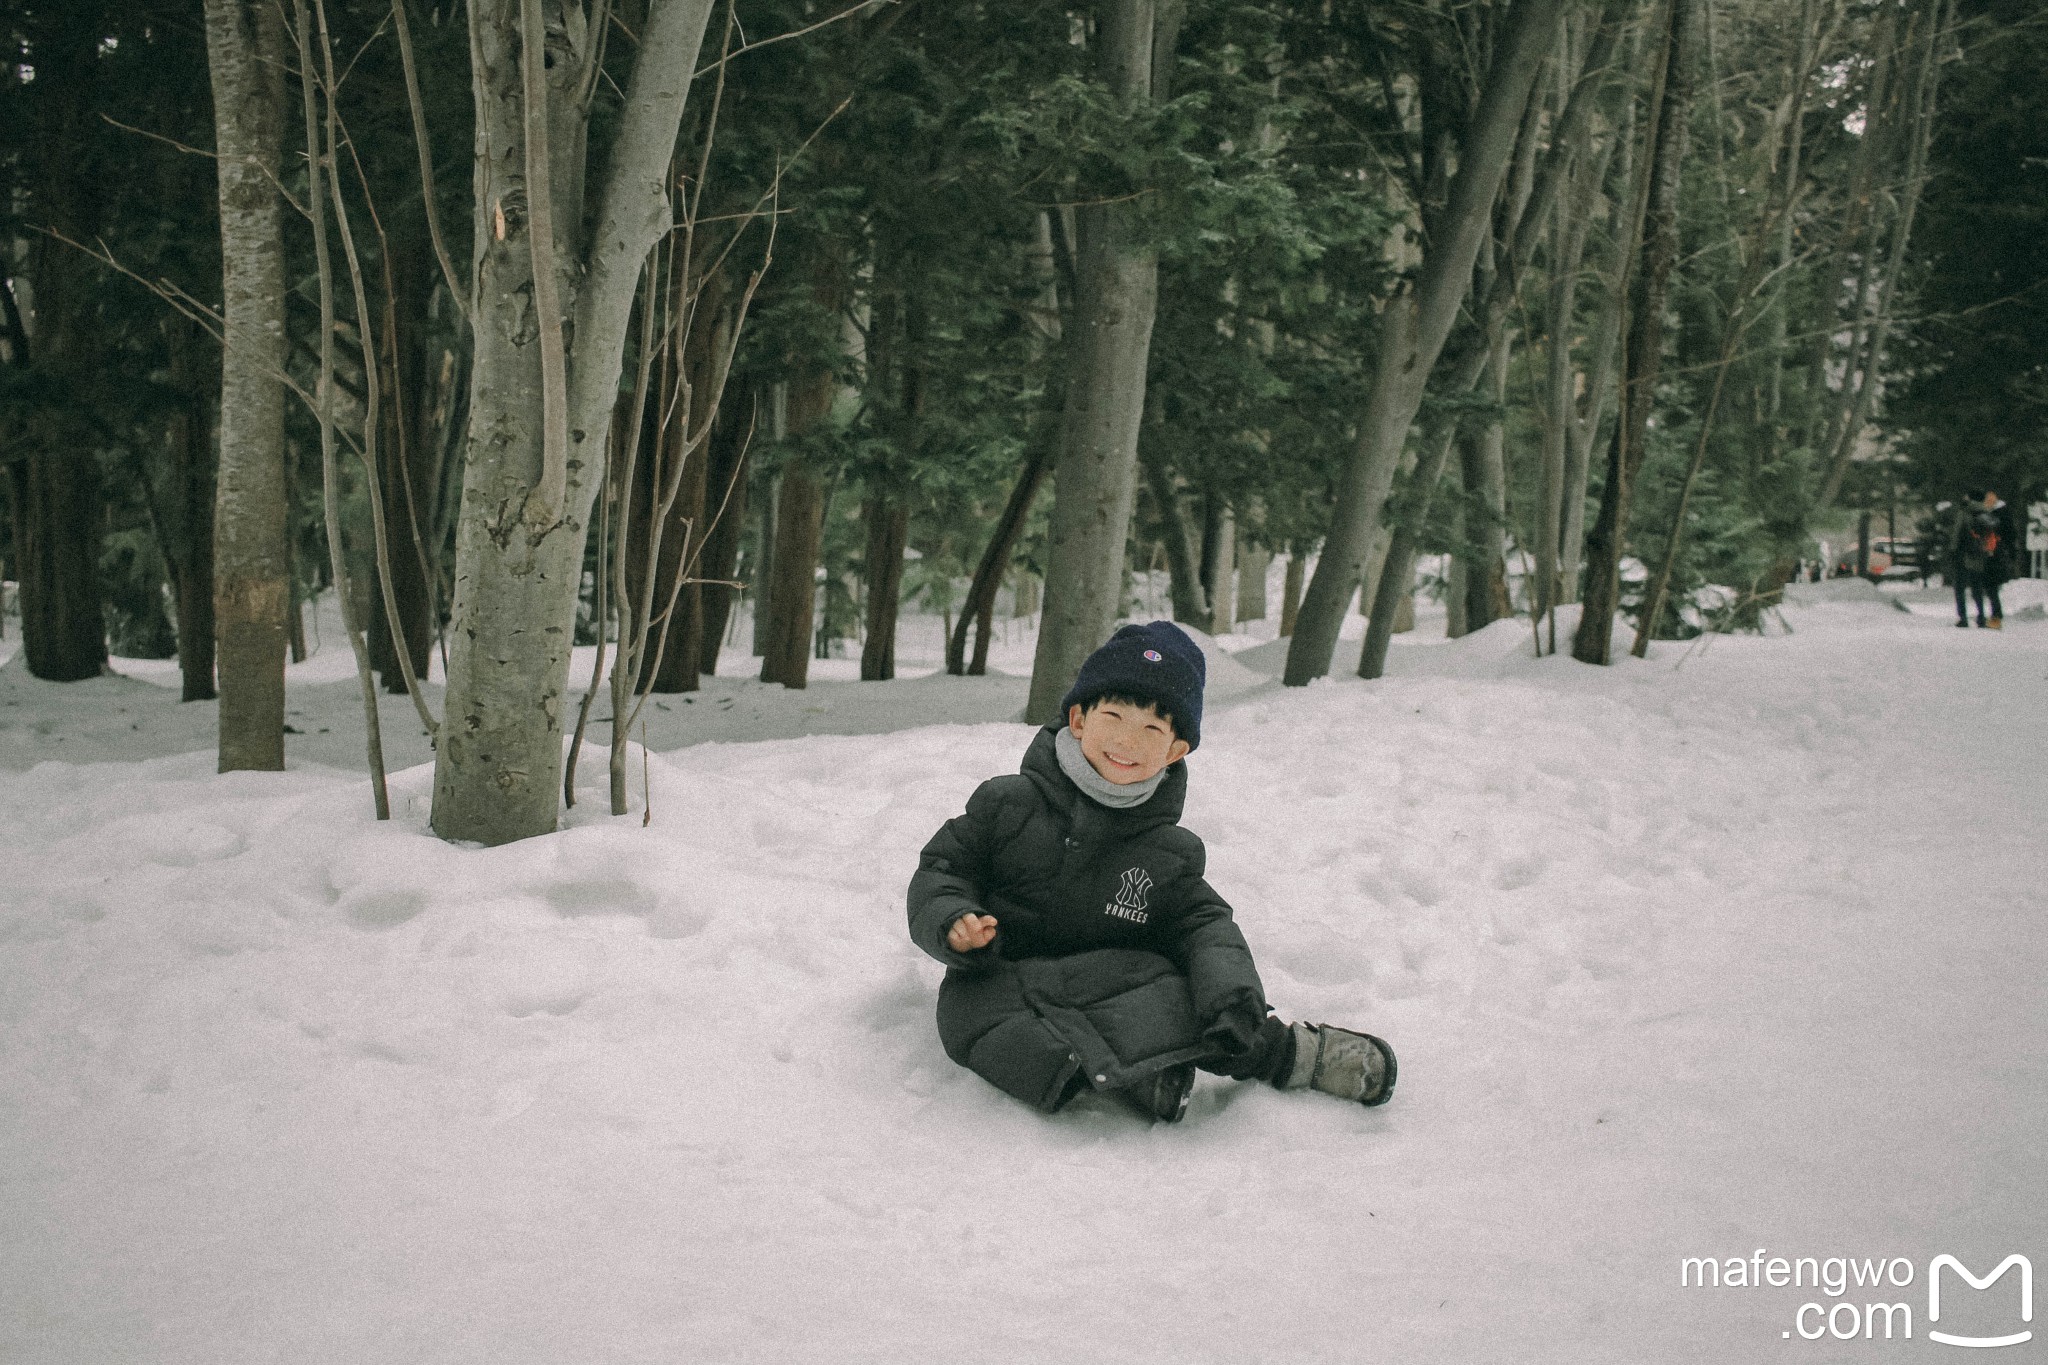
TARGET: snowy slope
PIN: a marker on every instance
(1737, 947)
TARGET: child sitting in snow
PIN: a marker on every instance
(1084, 947)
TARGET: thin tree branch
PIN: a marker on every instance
(419, 136)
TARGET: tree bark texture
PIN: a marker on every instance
(1414, 327)
(252, 565)
(1116, 278)
(497, 770)
(1594, 642)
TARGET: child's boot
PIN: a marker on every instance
(1337, 1061)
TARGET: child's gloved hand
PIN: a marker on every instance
(1235, 1029)
(971, 931)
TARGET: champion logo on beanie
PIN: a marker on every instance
(1156, 662)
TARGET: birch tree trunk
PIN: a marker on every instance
(535, 457)
(245, 44)
(1414, 327)
(1116, 278)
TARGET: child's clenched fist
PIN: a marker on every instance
(970, 932)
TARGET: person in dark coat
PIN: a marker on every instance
(1983, 540)
(1084, 948)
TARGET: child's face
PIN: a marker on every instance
(1125, 743)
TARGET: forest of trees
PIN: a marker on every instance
(530, 323)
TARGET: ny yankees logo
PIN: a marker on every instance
(1130, 897)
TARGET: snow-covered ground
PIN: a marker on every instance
(1738, 947)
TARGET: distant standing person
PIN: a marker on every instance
(1980, 548)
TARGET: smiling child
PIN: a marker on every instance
(1084, 948)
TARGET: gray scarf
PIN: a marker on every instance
(1115, 795)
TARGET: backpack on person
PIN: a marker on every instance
(1984, 533)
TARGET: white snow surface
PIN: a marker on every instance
(1737, 947)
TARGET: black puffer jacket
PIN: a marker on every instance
(1113, 959)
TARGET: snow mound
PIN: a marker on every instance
(2025, 599)
(1489, 652)
(1840, 592)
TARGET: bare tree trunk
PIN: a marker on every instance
(55, 499)
(188, 534)
(1568, 241)
(1584, 429)
(1047, 326)
(527, 496)
(53, 475)
(1458, 580)
(792, 593)
(1251, 579)
(979, 608)
(1866, 363)
(1593, 643)
(1183, 572)
(407, 468)
(888, 526)
(252, 569)
(729, 444)
(1414, 326)
(1116, 296)
(1290, 594)
(1396, 586)
(1490, 601)
(1221, 554)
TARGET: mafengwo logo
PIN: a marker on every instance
(1879, 1313)
(1934, 1270)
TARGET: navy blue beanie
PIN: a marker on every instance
(1155, 663)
